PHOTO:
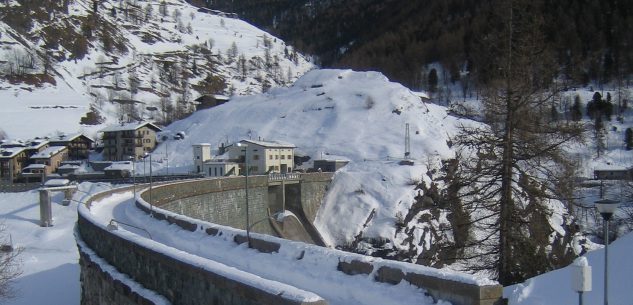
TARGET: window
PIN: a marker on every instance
(197, 157)
(270, 157)
(271, 168)
(215, 171)
(283, 157)
(255, 157)
(276, 157)
(289, 157)
(221, 171)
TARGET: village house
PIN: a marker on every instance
(264, 156)
(611, 172)
(128, 141)
(46, 162)
(78, 145)
(15, 156)
(209, 101)
(12, 160)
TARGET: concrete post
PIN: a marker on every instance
(283, 196)
(68, 195)
(46, 211)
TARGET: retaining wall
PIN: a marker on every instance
(175, 279)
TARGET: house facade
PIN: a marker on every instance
(47, 161)
(78, 145)
(12, 160)
(263, 156)
(126, 141)
(613, 173)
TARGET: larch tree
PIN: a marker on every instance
(513, 166)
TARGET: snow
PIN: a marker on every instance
(50, 257)
(48, 152)
(340, 114)
(316, 271)
(57, 108)
(555, 287)
(56, 182)
(128, 127)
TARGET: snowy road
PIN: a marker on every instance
(315, 272)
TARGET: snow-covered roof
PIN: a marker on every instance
(202, 144)
(611, 167)
(36, 144)
(130, 126)
(69, 166)
(57, 182)
(271, 144)
(12, 143)
(215, 96)
(10, 152)
(68, 138)
(123, 165)
(34, 166)
(49, 152)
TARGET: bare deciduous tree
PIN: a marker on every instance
(9, 264)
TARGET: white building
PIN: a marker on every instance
(264, 157)
(204, 164)
(201, 153)
(220, 168)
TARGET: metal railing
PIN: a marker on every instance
(287, 176)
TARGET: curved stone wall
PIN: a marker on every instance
(184, 283)
(177, 279)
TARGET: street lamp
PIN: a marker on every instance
(248, 230)
(606, 207)
(151, 205)
(132, 158)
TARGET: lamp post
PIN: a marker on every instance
(248, 231)
(151, 205)
(133, 176)
(606, 207)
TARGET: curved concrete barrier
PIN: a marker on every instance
(144, 262)
(178, 277)
(460, 291)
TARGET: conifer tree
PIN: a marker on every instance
(514, 164)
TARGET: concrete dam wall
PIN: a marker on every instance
(177, 280)
(223, 201)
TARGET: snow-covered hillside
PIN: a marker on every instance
(130, 59)
(340, 114)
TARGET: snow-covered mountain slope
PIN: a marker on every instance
(59, 57)
(339, 114)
